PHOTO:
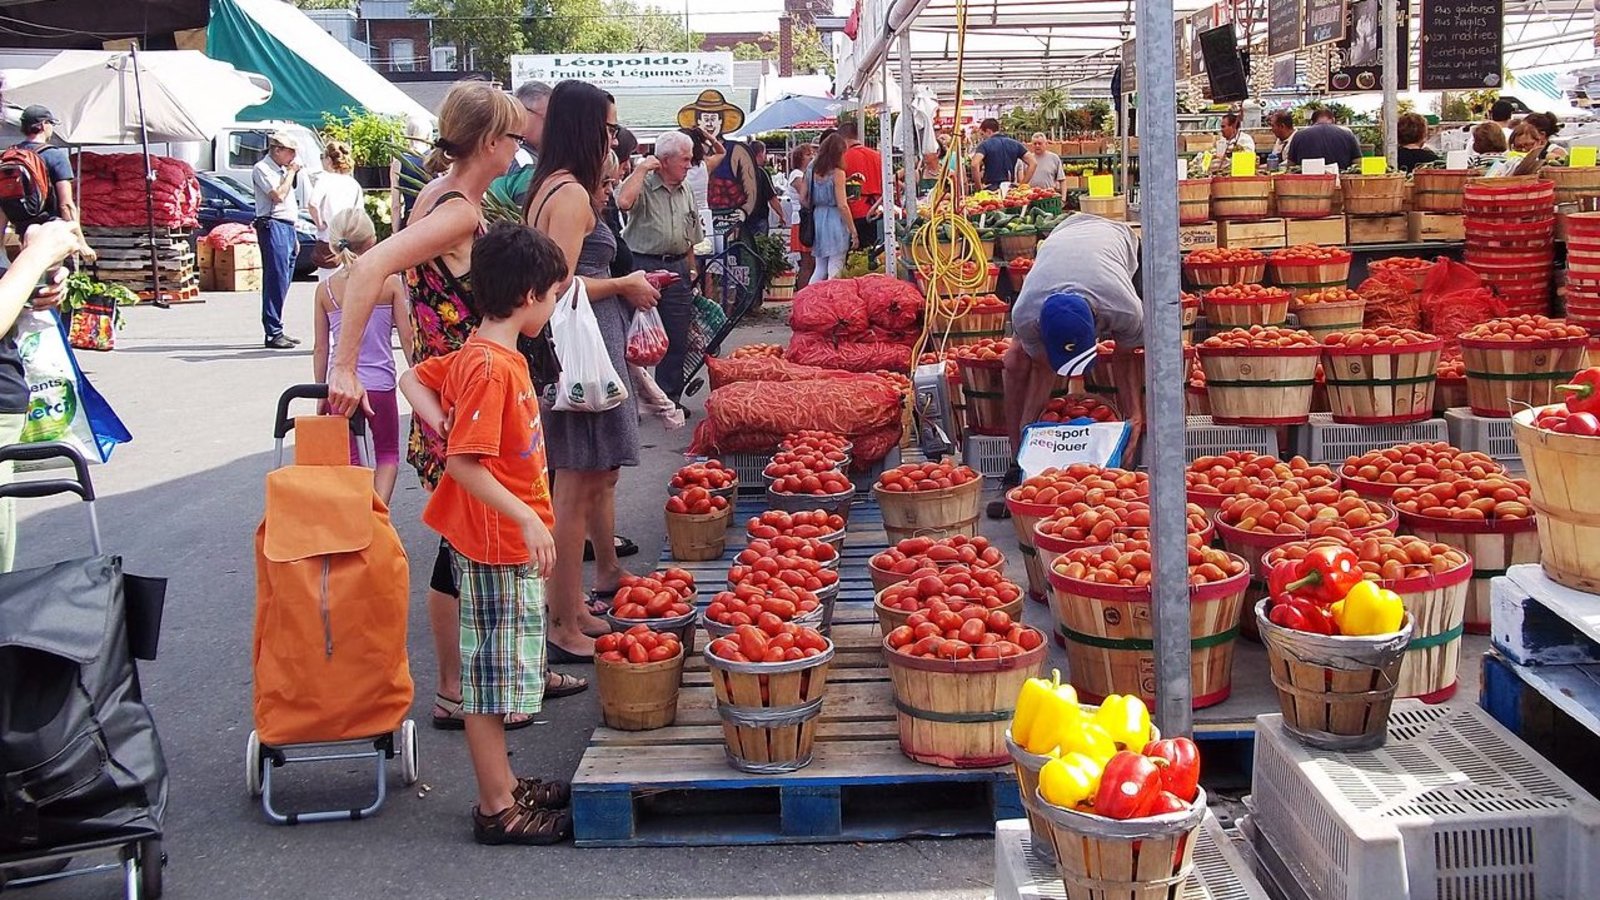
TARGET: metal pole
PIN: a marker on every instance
(1392, 56)
(1123, 180)
(149, 183)
(1163, 363)
(913, 152)
(886, 152)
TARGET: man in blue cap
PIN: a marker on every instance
(1080, 291)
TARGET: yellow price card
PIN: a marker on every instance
(1581, 157)
(1243, 162)
(1101, 186)
(1374, 165)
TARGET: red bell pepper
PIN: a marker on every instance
(1167, 802)
(1300, 614)
(1583, 392)
(1128, 787)
(1326, 574)
(1279, 576)
(1179, 761)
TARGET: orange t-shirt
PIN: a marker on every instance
(868, 163)
(497, 420)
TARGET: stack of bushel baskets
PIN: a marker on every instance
(1510, 225)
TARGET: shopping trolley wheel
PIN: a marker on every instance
(252, 764)
(408, 752)
(694, 386)
(151, 860)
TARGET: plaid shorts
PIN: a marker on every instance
(502, 638)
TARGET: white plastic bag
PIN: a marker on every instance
(62, 406)
(588, 382)
(1048, 445)
(647, 339)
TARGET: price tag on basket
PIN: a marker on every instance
(1049, 445)
(1313, 167)
(1581, 157)
(1374, 165)
(1457, 159)
(1243, 163)
(1101, 186)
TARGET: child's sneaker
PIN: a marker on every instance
(517, 824)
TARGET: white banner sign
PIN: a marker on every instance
(1050, 446)
(664, 71)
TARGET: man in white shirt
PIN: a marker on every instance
(1047, 171)
(277, 211)
(1233, 138)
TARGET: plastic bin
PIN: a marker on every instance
(1324, 441)
(1203, 437)
(989, 454)
(1474, 432)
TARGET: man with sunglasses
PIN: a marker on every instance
(513, 186)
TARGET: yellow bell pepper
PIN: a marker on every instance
(1369, 609)
(1089, 739)
(1030, 700)
(1057, 713)
(1070, 780)
(1126, 719)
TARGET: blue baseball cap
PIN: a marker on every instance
(1066, 326)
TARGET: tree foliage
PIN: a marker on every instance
(810, 53)
(487, 31)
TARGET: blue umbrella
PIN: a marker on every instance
(788, 110)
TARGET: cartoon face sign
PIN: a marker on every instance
(710, 123)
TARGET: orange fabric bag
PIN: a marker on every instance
(332, 590)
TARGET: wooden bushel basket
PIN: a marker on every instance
(890, 619)
(1305, 196)
(954, 713)
(1381, 385)
(1217, 274)
(1323, 319)
(1027, 766)
(1019, 243)
(1241, 197)
(1114, 207)
(1124, 859)
(1304, 276)
(1573, 185)
(1435, 604)
(781, 287)
(1260, 385)
(984, 389)
(1439, 190)
(696, 538)
(883, 578)
(683, 627)
(1049, 548)
(1506, 375)
(1271, 308)
(1493, 547)
(769, 710)
(1374, 195)
(1110, 638)
(639, 696)
(936, 514)
(1335, 690)
(1449, 393)
(832, 504)
(969, 327)
(1563, 470)
(1194, 201)
(1024, 516)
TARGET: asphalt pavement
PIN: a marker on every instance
(197, 389)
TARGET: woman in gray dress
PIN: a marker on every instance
(586, 450)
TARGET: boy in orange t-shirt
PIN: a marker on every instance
(493, 508)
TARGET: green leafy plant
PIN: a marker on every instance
(377, 206)
(374, 139)
(774, 256)
(81, 287)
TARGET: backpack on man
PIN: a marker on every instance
(25, 188)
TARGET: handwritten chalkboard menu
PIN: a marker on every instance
(1201, 21)
(1355, 64)
(1130, 66)
(1283, 27)
(1460, 45)
(1324, 22)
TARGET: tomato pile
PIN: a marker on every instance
(793, 571)
(810, 439)
(696, 501)
(1065, 409)
(1405, 265)
(1382, 554)
(662, 595)
(1420, 462)
(1113, 518)
(747, 603)
(787, 547)
(1238, 471)
(1260, 336)
(1453, 367)
(637, 645)
(1126, 562)
(757, 351)
(972, 633)
(1081, 483)
(807, 461)
(1493, 498)
(915, 553)
(1288, 510)
(1525, 328)
(1564, 421)
(1382, 336)
(819, 484)
(954, 307)
(772, 641)
(1310, 253)
(956, 587)
(928, 476)
(1221, 255)
(1020, 267)
(982, 350)
(1246, 293)
(813, 523)
(711, 475)
(1328, 295)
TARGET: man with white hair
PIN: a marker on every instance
(662, 231)
(1047, 169)
(277, 211)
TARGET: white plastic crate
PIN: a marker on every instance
(1470, 431)
(989, 454)
(1204, 437)
(1453, 806)
(1324, 441)
(1219, 871)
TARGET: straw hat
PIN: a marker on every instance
(711, 101)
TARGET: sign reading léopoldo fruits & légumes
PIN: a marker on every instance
(661, 71)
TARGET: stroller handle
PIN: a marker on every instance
(80, 484)
(284, 423)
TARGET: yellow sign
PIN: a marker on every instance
(1243, 162)
(1205, 163)
(1374, 165)
(1101, 186)
(1581, 157)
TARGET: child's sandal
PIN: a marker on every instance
(517, 824)
(536, 793)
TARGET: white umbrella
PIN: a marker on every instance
(187, 96)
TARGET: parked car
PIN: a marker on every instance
(224, 199)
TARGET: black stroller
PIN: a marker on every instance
(81, 769)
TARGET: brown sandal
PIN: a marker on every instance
(536, 793)
(452, 720)
(517, 824)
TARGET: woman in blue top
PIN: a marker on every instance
(824, 194)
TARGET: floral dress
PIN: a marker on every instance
(442, 320)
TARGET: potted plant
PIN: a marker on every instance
(775, 262)
(375, 141)
(92, 309)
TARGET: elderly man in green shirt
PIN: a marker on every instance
(662, 230)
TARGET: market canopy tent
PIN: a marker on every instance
(311, 72)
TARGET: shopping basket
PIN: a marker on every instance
(731, 284)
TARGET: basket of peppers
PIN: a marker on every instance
(1100, 781)
(1334, 647)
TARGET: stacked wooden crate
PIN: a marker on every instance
(125, 256)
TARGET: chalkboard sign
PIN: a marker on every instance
(1283, 27)
(1224, 67)
(1460, 45)
(1324, 22)
(1355, 64)
(1201, 21)
(1130, 66)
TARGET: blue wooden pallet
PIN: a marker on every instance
(1546, 640)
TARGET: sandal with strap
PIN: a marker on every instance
(452, 720)
(566, 685)
(536, 793)
(517, 824)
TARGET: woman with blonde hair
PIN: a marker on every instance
(480, 127)
(351, 233)
(334, 191)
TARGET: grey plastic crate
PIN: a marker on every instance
(1220, 873)
(1470, 431)
(1325, 441)
(989, 454)
(1204, 437)
(1452, 806)
(749, 467)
